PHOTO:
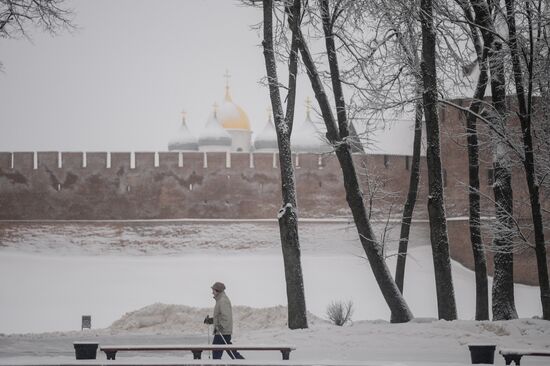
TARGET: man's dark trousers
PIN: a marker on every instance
(224, 339)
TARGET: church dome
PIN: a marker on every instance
(267, 139)
(183, 140)
(307, 138)
(213, 133)
(232, 116)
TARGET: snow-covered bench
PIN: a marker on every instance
(515, 355)
(196, 349)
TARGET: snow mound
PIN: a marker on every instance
(167, 318)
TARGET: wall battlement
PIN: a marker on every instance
(28, 161)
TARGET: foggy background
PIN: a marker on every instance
(120, 81)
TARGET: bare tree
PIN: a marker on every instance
(480, 261)
(372, 80)
(338, 134)
(408, 43)
(436, 209)
(503, 283)
(288, 216)
(526, 113)
(386, 76)
(408, 208)
(17, 16)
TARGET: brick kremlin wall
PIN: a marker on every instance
(172, 185)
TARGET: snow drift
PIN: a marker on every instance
(169, 318)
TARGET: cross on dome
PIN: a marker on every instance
(183, 140)
(215, 108)
(227, 76)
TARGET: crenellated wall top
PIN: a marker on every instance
(28, 161)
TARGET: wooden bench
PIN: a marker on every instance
(196, 349)
(515, 355)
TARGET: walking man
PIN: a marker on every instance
(223, 321)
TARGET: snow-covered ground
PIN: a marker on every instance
(150, 283)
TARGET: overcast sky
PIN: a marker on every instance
(120, 81)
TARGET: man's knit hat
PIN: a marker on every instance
(218, 286)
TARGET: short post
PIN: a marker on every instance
(482, 353)
(85, 350)
(86, 322)
(286, 354)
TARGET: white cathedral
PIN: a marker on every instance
(228, 129)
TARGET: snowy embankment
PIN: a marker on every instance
(422, 341)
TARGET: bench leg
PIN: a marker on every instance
(516, 358)
(110, 355)
(197, 355)
(286, 354)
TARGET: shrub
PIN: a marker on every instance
(339, 313)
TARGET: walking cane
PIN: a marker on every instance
(224, 341)
(209, 352)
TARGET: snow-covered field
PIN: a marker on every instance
(150, 283)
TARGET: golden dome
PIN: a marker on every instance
(232, 116)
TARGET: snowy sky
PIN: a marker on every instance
(120, 81)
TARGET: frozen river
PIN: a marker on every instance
(53, 273)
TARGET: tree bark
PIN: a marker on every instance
(293, 13)
(503, 281)
(288, 219)
(408, 43)
(446, 305)
(525, 113)
(334, 68)
(411, 200)
(354, 195)
(480, 260)
(346, 128)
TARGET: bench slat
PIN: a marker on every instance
(525, 352)
(197, 349)
(514, 355)
(211, 347)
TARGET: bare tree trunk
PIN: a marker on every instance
(480, 260)
(446, 305)
(503, 283)
(293, 13)
(334, 68)
(411, 200)
(525, 117)
(288, 219)
(408, 43)
(354, 195)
